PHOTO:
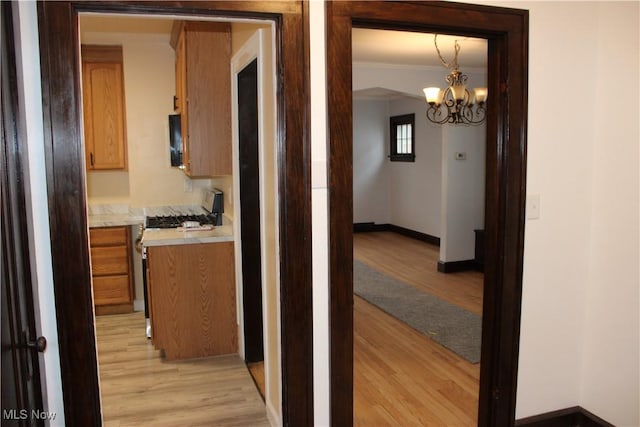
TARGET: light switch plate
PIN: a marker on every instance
(533, 206)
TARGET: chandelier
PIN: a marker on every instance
(455, 104)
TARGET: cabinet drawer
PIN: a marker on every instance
(108, 236)
(109, 260)
(111, 290)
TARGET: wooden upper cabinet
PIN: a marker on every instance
(203, 95)
(104, 107)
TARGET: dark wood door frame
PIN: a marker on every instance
(21, 386)
(57, 25)
(507, 34)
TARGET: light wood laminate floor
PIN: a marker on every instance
(401, 377)
(139, 388)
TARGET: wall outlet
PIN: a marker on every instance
(533, 206)
(188, 185)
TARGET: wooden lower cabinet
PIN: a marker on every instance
(111, 269)
(192, 299)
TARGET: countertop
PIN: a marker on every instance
(114, 220)
(122, 215)
(173, 236)
(114, 215)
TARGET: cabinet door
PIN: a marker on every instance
(111, 290)
(208, 96)
(110, 260)
(192, 289)
(181, 100)
(103, 108)
(108, 236)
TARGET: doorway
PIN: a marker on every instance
(506, 32)
(59, 49)
(411, 216)
(247, 84)
(145, 40)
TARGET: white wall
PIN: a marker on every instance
(580, 325)
(370, 163)
(415, 187)
(463, 184)
(418, 198)
(612, 294)
(319, 214)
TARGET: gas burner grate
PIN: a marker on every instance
(175, 221)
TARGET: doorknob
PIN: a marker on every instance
(39, 344)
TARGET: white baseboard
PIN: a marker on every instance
(138, 305)
(273, 416)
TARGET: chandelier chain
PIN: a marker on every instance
(453, 65)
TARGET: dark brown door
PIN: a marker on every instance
(250, 212)
(21, 392)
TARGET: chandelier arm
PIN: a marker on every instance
(480, 116)
(434, 113)
(473, 115)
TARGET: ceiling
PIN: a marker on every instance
(369, 46)
(403, 48)
(416, 49)
(378, 46)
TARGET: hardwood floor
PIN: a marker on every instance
(401, 377)
(257, 373)
(416, 263)
(139, 388)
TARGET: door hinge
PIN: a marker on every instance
(504, 87)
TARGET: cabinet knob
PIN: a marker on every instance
(91, 159)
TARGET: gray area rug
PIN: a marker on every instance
(457, 329)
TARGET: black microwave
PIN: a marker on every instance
(175, 140)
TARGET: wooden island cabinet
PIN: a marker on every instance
(203, 95)
(192, 299)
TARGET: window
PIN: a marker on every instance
(402, 138)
